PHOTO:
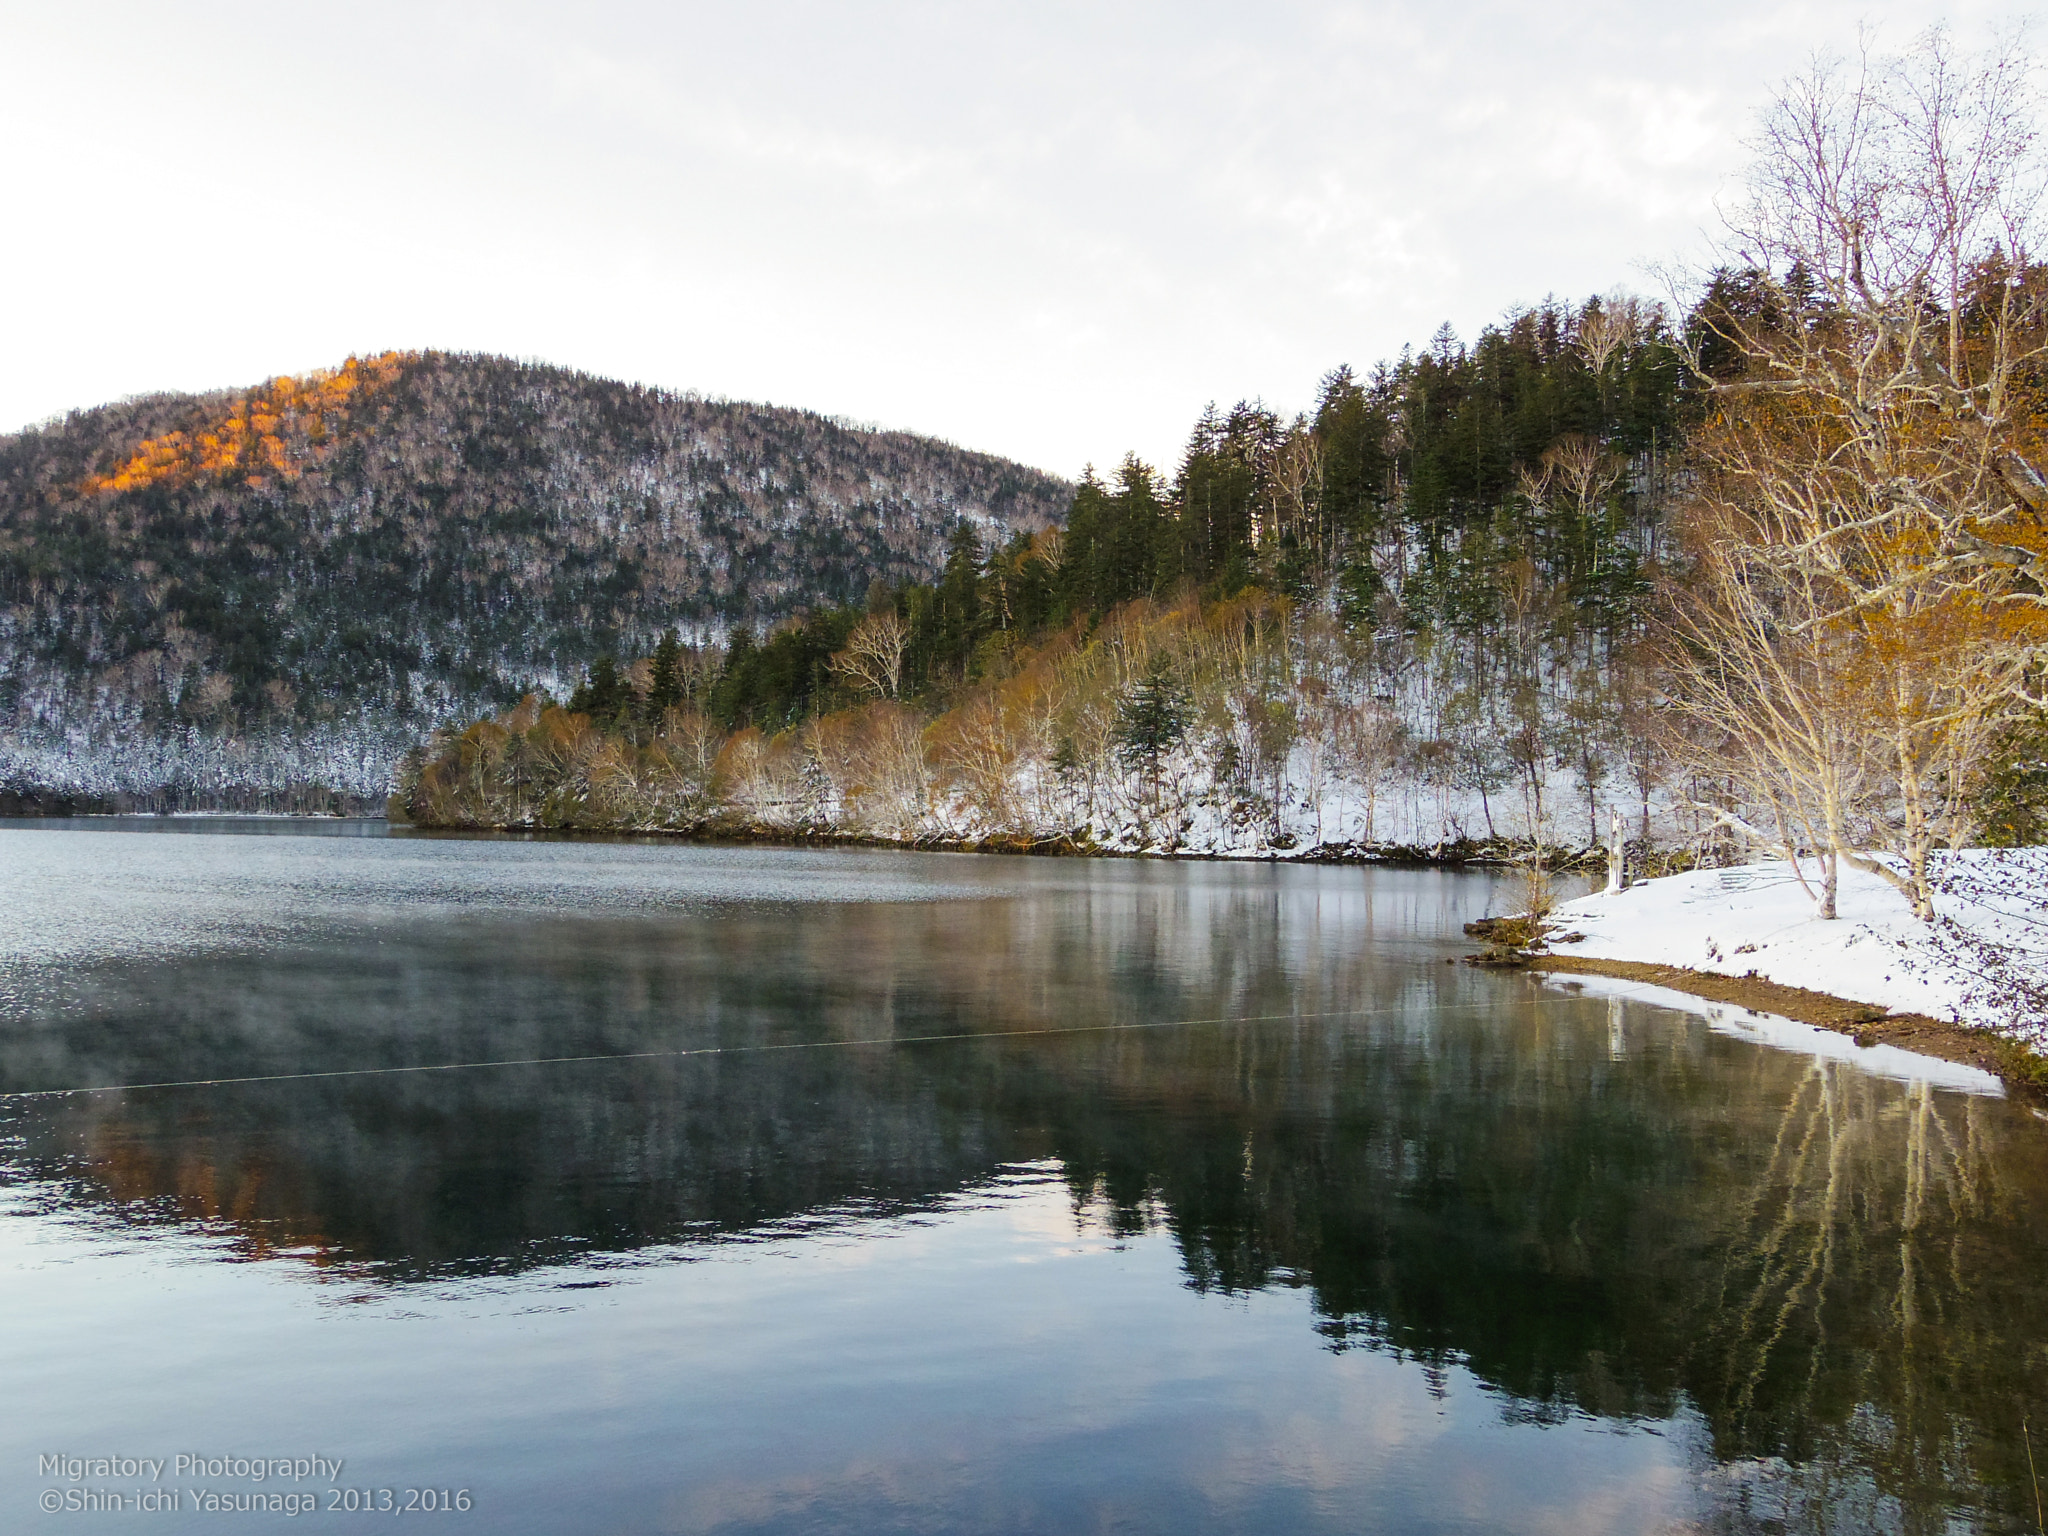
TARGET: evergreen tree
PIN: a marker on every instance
(604, 695)
(665, 687)
(2012, 802)
(732, 696)
(1216, 496)
(1352, 426)
(1153, 720)
(959, 608)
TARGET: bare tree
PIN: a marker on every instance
(1579, 470)
(210, 698)
(1866, 486)
(1297, 489)
(1049, 547)
(1576, 476)
(1368, 739)
(1610, 326)
(1759, 695)
(1885, 247)
(977, 753)
(873, 658)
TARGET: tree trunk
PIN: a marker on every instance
(1917, 838)
(1830, 869)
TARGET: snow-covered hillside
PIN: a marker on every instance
(361, 554)
(123, 764)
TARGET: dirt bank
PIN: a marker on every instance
(2022, 1069)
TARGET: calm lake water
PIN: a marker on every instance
(623, 1188)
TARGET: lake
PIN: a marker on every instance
(576, 1186)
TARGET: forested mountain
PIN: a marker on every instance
(357, 554)
(1401, 615)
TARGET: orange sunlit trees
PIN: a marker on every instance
(1868, 527)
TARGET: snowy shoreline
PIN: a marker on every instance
(1461, 853)
(1982, 964)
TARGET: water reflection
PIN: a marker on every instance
(1599, 1209)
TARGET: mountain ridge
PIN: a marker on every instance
(410, 535)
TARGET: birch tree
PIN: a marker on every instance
(1869, 527)
(873, 658)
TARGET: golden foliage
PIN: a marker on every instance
(873, 759)
(272, 431)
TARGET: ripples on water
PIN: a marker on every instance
(1396, 1246)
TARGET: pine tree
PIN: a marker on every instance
(1153, 720)
(665, 688)
(732, 696)
(604, 694)
(960, 608)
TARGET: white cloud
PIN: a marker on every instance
(1053, 232)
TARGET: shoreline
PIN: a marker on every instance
(1456, 854)
(2024, 1072)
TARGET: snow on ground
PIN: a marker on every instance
(1984, 961)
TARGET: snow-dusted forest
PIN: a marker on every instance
(1233, 727)
(223, 598)
(1408, 617)
(1766, 565)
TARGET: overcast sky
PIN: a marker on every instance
(1050, 231)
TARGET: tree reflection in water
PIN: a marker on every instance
(1598, 1207)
